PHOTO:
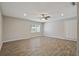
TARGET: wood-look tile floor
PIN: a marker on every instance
(39, 46)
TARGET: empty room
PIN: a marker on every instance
(38, 28)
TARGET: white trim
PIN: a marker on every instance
(38, 36)
(19, 39)
(64, 38)
(11, 40)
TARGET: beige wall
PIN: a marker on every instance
(54, 29)
(64, 29)
(15, 29)
(78, 29)
(0, 30)
(71, 29)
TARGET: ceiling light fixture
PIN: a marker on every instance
(25, 14)
(43, 19)
(62, 14)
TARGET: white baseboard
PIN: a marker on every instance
(43, 35)
(64, 38)
(11, 40)
(18, 39)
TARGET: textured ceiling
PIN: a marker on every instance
(34, 9)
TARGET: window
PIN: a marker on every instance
(35, 28)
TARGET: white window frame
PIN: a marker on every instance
(35, 27)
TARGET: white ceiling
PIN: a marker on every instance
(34, 9)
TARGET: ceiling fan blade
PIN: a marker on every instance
(48, 16)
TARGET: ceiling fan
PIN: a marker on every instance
(44, 16)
